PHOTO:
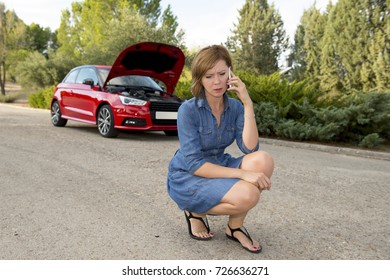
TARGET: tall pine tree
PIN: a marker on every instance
(356, 46)
(375, 72)
(330, 65)
(259, 38)
(306, 52)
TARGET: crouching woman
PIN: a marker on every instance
(203, 179)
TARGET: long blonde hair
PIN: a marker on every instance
(204, 60)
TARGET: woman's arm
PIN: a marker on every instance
(210, 170)
(250, 134)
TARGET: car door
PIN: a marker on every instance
(82, 100)
(66, 93)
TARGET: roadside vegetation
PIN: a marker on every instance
(336, 89)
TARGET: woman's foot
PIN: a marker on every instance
(242, 236)
(198, 226)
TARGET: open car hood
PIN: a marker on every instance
(156, 60)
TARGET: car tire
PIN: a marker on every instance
(56, 115)
(170, 132)
(105, 122)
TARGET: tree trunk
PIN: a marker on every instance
(2, 78)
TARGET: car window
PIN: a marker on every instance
(71, 77)
(86, 73)
(103, 73)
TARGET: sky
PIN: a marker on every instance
(204, 22)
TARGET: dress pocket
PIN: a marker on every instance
(207, 139)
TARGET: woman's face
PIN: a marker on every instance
(215, 79)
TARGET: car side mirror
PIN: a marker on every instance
(88, 81)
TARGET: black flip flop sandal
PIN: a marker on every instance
(204, 221)
(246, 233)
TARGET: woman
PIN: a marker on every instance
(202, 178)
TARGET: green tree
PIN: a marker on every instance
(297, 57)
(68, 42)
(169, 29)
(330, 62)
(39, 38)
(36, 71)
(376, 68)
(12, 38)
(94, 31)
(358, 57)
(259, 38)
(351, 43)
(150, 9)
(128, 28)
(306, 52)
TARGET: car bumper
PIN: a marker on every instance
(129, 118)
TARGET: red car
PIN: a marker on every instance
(126, 95)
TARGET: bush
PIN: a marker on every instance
(267, 117)
(360, 118)
(371, 140)
(36, 72)
(183, 87)
(369, 113)
(42, 98)
(10, 98)
(273, 88)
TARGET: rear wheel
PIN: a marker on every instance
(56, 115)
(105, 122)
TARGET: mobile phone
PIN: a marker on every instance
(229, 76)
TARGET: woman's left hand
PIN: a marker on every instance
(259, 179)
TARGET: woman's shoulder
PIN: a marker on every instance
(187, 107)
(188, 104)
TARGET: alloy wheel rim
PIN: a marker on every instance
(55, 113)
(104, 121)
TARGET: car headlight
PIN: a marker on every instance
(131, 101)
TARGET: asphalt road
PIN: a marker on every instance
(68, 193)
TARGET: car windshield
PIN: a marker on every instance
(130, 80)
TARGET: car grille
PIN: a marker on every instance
(163, 107)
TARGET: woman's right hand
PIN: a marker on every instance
(240, 89)
(259, 179)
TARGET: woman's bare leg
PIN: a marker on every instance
(243, 196)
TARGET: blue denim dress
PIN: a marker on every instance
(201, 141)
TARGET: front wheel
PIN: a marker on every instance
(56, 115)
(105, 122)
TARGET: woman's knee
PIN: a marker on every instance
(259, 161)
(242, 197)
